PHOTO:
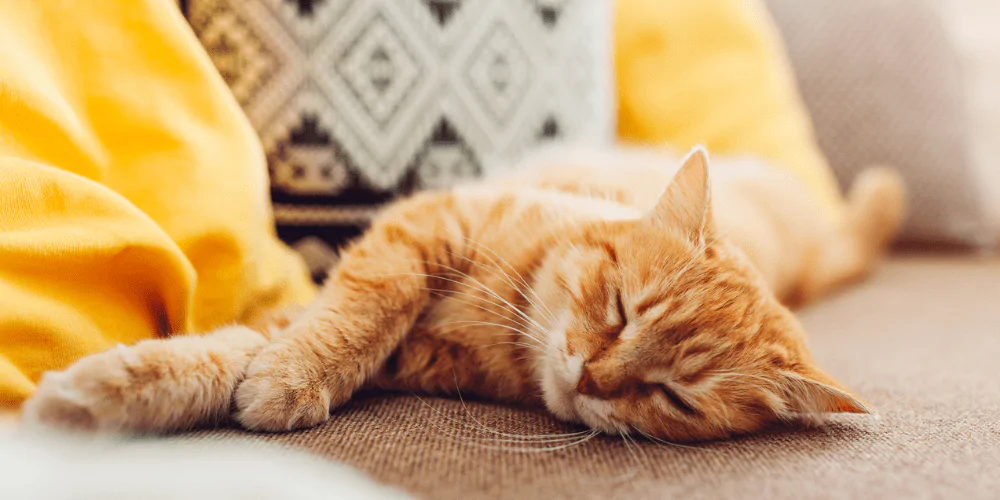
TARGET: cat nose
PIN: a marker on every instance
(587, 385)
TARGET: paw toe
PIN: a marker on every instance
(57, 404)
(265, 404)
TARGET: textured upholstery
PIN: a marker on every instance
(920, 342)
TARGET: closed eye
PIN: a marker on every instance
(611, 333)
(621, 309)
(677, 401)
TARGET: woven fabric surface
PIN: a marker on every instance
(884, 85)
(919, 341)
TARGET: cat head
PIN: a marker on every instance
(663, 329)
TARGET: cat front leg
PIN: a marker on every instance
(368, 305)
(154, 386)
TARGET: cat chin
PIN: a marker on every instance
(558, 375)
(596, 413)
(557, 393)
(558, 380)
(572, 407)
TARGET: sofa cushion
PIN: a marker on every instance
(920, 342)
(715, 72)
(884, 84)
(973, 27)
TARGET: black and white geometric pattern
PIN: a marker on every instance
(360, 101)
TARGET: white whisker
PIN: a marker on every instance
(539, 305)
(518, 344)
(515, 320)
(508, 280)
(520, 437)
(672, 444)
(527, 285)
(484, 288)
(497, 325)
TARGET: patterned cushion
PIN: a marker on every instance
(359, 101)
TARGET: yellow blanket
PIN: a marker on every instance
(133, 192)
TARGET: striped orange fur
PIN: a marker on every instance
(580, 285)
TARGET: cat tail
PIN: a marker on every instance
(876, 206)
(874, 211)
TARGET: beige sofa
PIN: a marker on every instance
(921, 341)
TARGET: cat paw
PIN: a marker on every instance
(283, 392)
(153, 386)
(81, 398)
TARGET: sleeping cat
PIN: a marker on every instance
(579, 284)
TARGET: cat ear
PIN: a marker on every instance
(812, 392)
(686, 204)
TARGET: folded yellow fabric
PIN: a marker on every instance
(715, 72)
(133, 192)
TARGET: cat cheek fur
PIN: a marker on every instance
(557, 373)
(570, 344)
(561, 373)
(557, 370)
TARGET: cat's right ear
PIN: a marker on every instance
(686, 203)
(811, 392)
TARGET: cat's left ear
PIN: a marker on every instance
(811, 392)
(686, 203)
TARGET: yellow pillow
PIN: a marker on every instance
(715, 72)
(133, 192)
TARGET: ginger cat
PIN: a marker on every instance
(579, 284)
